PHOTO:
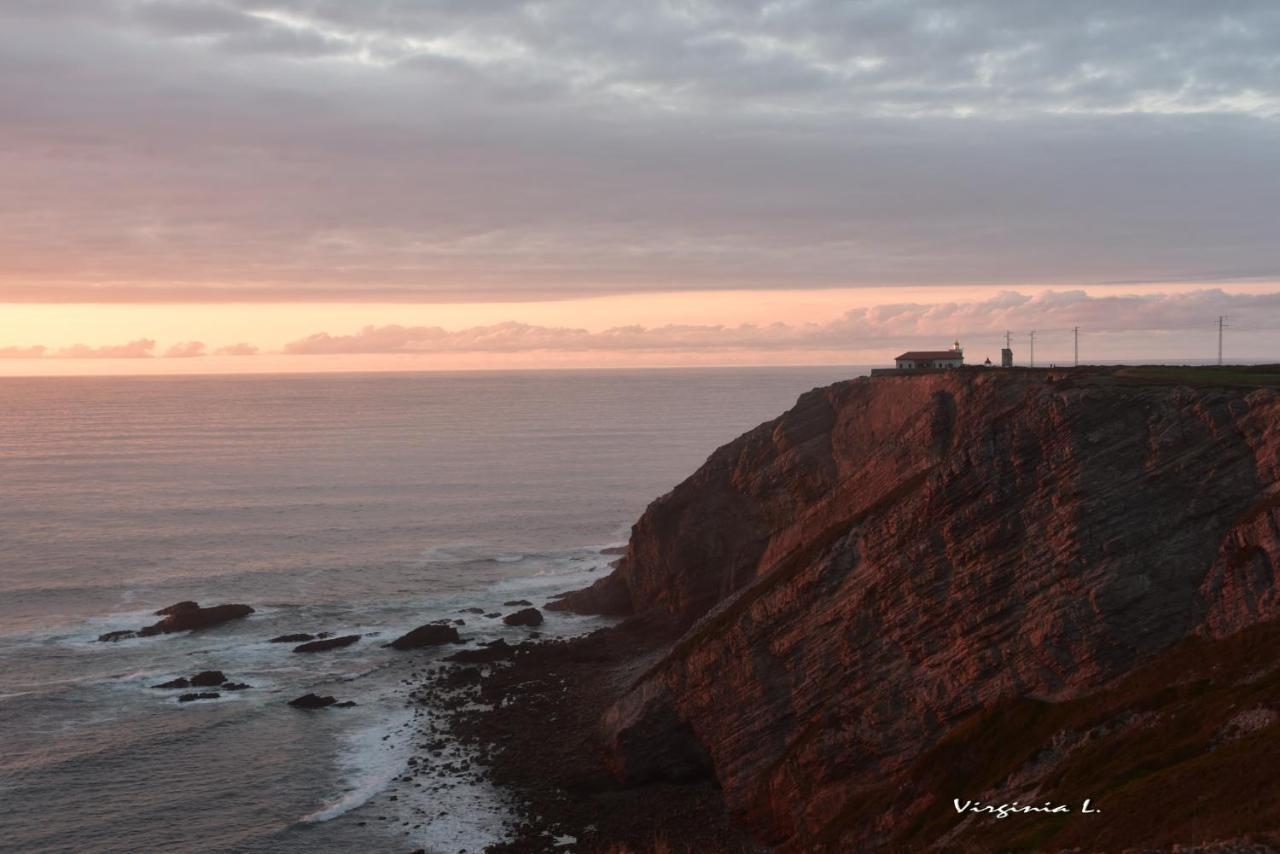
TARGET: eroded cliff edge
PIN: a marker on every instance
(850, 585)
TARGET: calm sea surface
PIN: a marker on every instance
(364, 504)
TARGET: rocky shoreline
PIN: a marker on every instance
(530, 713)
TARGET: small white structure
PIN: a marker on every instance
(920, 360)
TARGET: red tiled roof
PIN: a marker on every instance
(929, 355)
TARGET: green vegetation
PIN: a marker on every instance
(1206, 375)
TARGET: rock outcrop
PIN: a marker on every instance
(524, 617)
(432, 634)
(313, 701)
(183, 617)
(327, 644)
(852, 584)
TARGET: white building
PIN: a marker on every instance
(919, 360)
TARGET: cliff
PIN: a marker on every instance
(907, 575)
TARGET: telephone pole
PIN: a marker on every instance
(1222, 323)
(1033, 348)
(1076, 331)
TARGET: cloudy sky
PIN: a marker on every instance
(599, 182)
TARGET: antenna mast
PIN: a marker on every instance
(1076, 331)
(1033, 348)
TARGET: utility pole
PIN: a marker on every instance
(1076, 331)
(1222, 323)
(1033, 348)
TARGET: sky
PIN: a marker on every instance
(253, 185)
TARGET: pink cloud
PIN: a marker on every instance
(138, 349)
(241, 349)
(185, 350)
(906, 323)
(22, 352)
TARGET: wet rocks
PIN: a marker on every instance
(316, 701)
(498, 650)
(428, 635)
(203, 679)
(327, 644)
(208, 679)
(297, 637)
(174, 684)
(525, 617)
(183, 617)
(202, 695)
(517, 603)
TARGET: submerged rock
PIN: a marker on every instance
(526, 617)
(517, 603)
(235, 686)
(298, 637)
(428, 635)
(327, 644)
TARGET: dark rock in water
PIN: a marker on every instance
(183, 607)
(428, 635)
(188, 616)
(183, 617)
(346, 704)
(208, 679)
(495, 615)
(235, 686)
(471, 611)
(299, 637)
(328, 643)
(312, 701)
(203, 695)
(526, 617)
(499, 650)
(180, 682)
(517, 603)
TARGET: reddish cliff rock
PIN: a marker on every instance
(853, 581)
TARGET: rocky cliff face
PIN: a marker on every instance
(854, 582)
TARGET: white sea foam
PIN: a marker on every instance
(368, 762)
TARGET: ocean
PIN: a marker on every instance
(355, 504)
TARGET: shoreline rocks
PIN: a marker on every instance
(317, 701)
(183, 617)
(431, 634)
(327, 644)
(202, 695)
(526, 617)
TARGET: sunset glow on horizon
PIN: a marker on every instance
(251, 185)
